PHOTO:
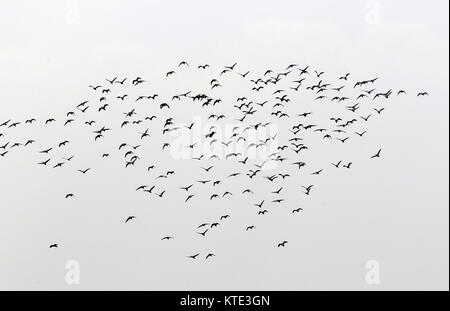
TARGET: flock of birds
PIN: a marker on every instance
(278, 88)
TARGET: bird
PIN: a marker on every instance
(376, 155)
(189, 197)
(203, 233)
(337, 164)
(243, 75)
(282, 244)
(121, 81)
(111, 81)
(46, 151)
(308, 189)
(129, 218)
(30, 121)
(5, 123)
(187, 188)
(64, 143)
(145, 134)
(345, 77)
(60, 164)
(379, 111)
(207, 169)
(44, 162)
(231, 67)
(278, 191)
(259, 204)
(161, 194)
(422, 94)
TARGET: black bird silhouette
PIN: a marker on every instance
(193, 256)
(203, 233)
(231, 67)
(121, 82)
(260, 204)
(282, 244)
(187, 188)
(379, 111)
(376, 155)
(60, 164)
(337, 164)
(44, 163)
(5, 123)
(278, 191)
(308, 189)
(189, 197)
(129, 218)
(111, 81)
(84, 171)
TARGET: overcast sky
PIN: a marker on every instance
(393, 211)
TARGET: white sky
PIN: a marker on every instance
(394, 211)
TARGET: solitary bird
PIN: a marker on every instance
(376, 155)
(282, 244)
(129, 218)
(422, 94)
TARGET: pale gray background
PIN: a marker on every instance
(394, 210)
